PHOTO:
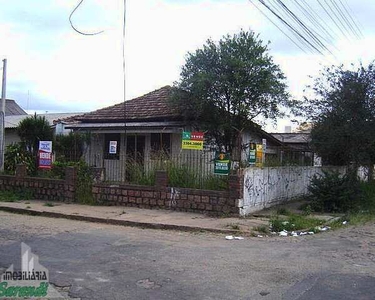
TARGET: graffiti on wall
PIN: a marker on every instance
(264, 187)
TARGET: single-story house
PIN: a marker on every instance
(146, 130)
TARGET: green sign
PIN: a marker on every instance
(222, 164)
(252, 157)
(252, 154)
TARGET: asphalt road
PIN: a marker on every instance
(93, 261)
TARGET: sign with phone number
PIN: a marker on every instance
(192, 140)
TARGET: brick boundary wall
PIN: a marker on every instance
(159, 196)
(163, 197)
(41, 188)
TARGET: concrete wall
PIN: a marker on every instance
(265, 187)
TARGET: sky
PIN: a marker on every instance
(51, 68)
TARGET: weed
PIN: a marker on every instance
(234, 226)
(49, 204)
(12, 196)
(283, 211)
(28, 207)
(262, 229)
(293, 222)
(307, 210)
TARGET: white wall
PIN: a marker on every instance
(265, 187)
(11, 136)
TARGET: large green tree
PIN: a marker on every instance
(225, 85)
(343, 114)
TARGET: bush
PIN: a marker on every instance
(70, 147)
(12, 196)
(84, 179)
(16, 154)
(331, 192)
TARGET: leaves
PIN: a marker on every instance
(225, 85)
(343, 112)
(32, 130)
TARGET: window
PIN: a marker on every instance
(112, 143)
(160, 144)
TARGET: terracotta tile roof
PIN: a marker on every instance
(152, 106)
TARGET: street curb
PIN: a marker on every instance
(117, 222)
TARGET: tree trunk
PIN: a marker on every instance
(370, 173)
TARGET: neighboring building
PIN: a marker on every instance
(12, 121)
(142, 129)
(296, 147)
(13, 109)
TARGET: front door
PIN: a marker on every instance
(135, 155)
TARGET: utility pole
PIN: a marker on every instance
(2, 115)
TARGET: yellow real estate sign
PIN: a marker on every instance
(192, 140)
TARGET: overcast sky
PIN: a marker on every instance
(52, 68)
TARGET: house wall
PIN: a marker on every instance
(249, 137)
(266, 187)
(11, 136)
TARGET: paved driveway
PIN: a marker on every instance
(94, 261)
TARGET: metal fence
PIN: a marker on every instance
(189, 168)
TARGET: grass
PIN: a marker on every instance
(294, 222)
(12, 196)
(49, 204)
(262, 229)
(283, 211)
(179, 175)
(234, 226)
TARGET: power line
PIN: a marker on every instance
(309, 30)
(345, 19)
(75, 29)
(300, 40)
(332, 18)
(314, 22)
(291, 27)
(304, 27)
(124, 69)
(277, 26)
(347, 9)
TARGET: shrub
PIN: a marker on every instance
(16, 154)
(70, 147)
(84, 179)
(12, 196)
(331, 192)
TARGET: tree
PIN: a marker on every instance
(224, 86)
(32, 130)
(343, 113)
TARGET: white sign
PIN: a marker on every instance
(45, 146)
(112, 147)
(264, 143)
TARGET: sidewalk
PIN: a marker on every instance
(135, 217)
